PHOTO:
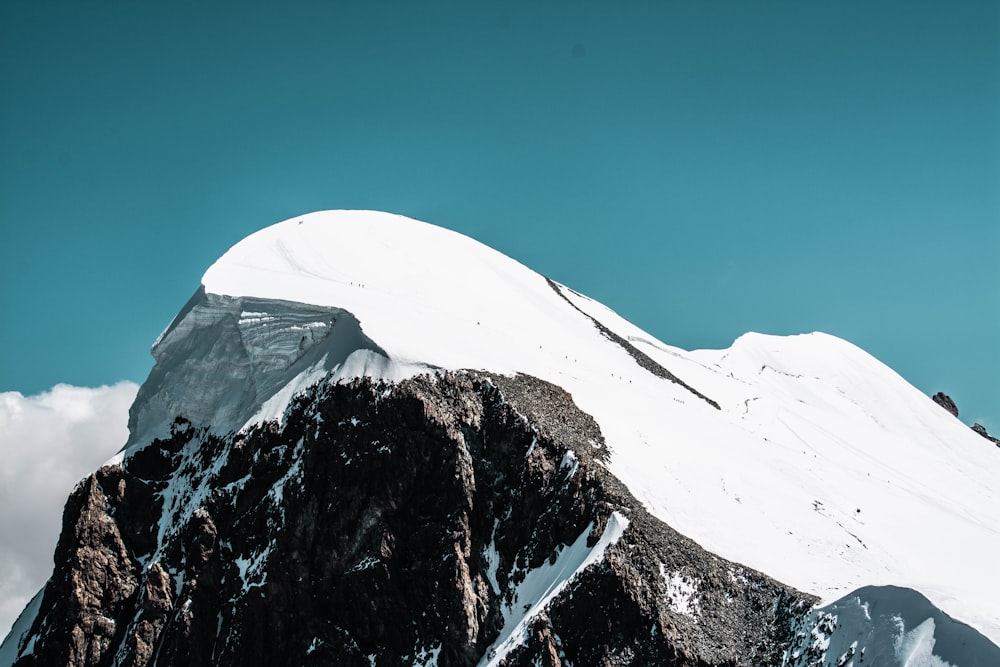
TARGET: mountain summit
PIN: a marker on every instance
(370, 440)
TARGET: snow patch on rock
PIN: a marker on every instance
(681, 592)
(544, 583)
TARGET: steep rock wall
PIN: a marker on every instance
(393, 524)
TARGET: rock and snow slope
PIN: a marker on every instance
(802, 457)
(823, 468)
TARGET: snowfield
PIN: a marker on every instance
(821, 466)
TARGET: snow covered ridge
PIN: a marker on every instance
(885, 625)
(822, 467)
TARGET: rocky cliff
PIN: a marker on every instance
(455, 519)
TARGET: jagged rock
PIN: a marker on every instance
(388, 524)
(944, 400)
(95, 580)
(981, 430)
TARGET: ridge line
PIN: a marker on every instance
(641, 358)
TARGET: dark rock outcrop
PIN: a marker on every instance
(390, 524)
(95, 578)
(944, 400)
(641, 358)
(981, 430)
(948, 404)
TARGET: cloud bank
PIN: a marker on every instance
(48, 443)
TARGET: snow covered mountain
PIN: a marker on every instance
(802, 458)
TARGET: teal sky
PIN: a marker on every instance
(704, 168)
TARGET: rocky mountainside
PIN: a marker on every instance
(394, 524)
(369, 441)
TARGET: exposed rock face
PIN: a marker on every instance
(393, 524)
(981, 430)
(641, 358)
(944, 400)
(95, 577)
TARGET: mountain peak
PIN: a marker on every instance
(330, 336)
(321, 257)
(427, 294)
(800, 456)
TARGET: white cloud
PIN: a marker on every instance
(48, 443)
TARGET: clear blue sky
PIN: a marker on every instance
(705, 168)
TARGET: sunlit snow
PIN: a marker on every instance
(823, 468)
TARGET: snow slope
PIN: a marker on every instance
(820, 466)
